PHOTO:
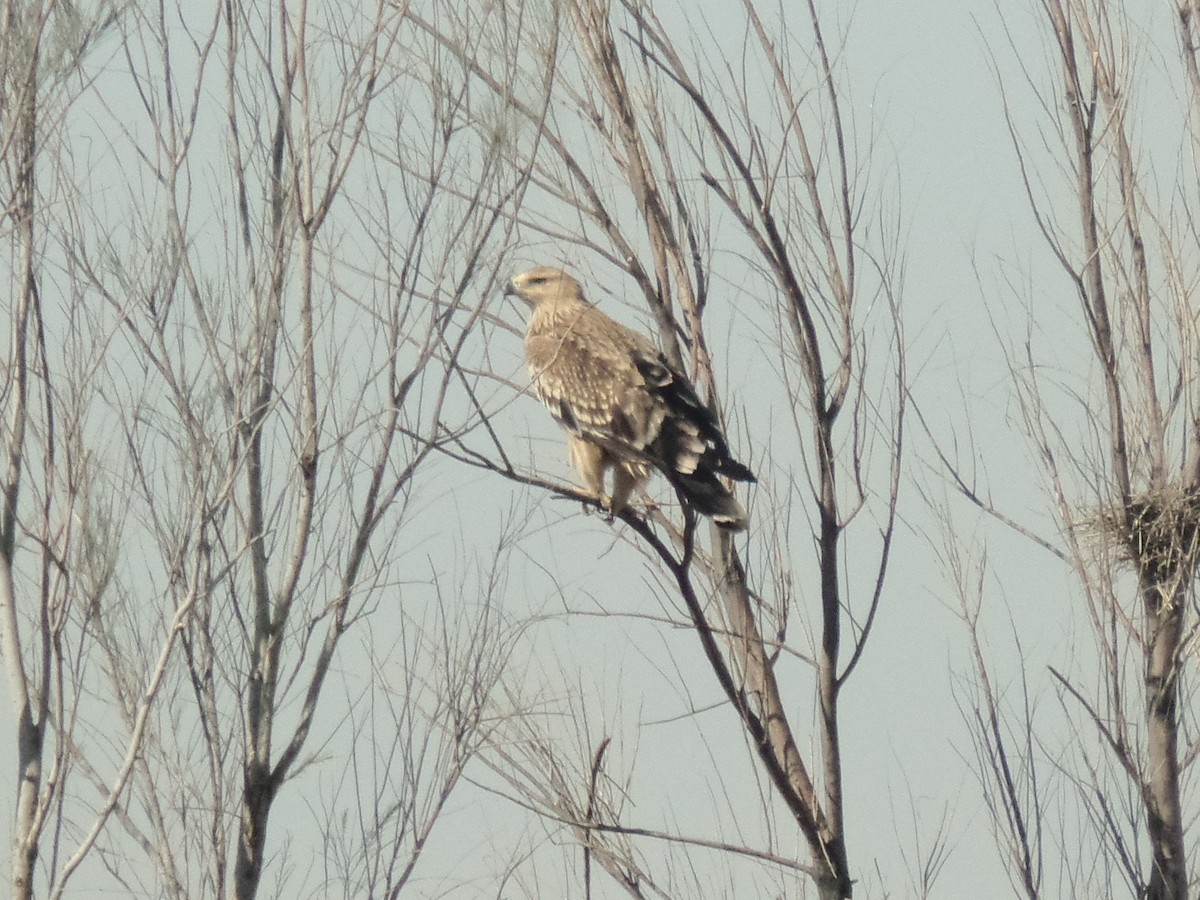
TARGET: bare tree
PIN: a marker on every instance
(261, 287)
(636, 147)
(29, 685)
(56, 545)
(1118, 439)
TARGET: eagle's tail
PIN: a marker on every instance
(690, 448)
(704, 492)
(692, 453)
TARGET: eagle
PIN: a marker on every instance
(624, 407)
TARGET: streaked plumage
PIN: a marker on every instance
(622, 405)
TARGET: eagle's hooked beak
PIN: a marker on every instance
(510, 287)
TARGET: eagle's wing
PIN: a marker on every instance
(586, 370)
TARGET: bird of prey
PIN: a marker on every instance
(623, 406)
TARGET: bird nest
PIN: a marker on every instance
(1157, 533)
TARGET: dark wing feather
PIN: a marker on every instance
(689, 418)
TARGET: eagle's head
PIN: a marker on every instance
(544, 285)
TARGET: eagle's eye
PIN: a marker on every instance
(538, 279)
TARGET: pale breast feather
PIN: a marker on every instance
(591, 380)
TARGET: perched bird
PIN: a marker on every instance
(621, 403)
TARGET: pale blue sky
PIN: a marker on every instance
(921, 78)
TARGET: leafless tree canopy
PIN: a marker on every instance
(1117, 218)
(637, 148)
(239, 291)
(294, 598)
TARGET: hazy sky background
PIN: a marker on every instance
(922, 78)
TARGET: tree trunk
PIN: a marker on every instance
(258, 794)
(30, 739)
(30, 724)
(1164, 613)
